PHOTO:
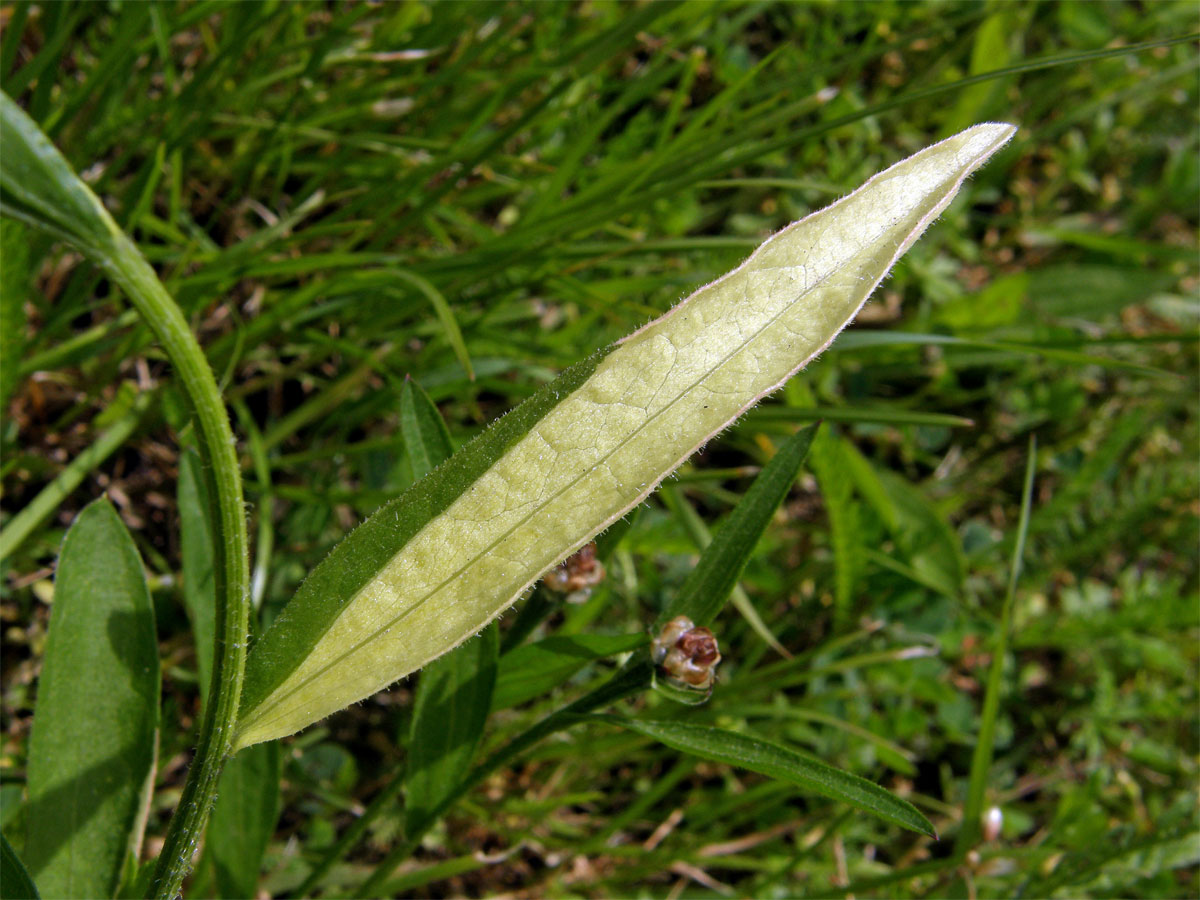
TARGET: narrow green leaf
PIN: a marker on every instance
(532, 613)
(981, 759)
(24, 523)
(933, 548)
(243, 819)
(837, 488)
(532, 670)
(14, 290)
(38, 186)
(870, 487)
(779, 762)
(413, 881)
(1091, 292)
(15, 883)
(989, 51)
(867, 339)
(890, 753)
(432, 567)
(867, 415)
(199, 591)
(426, 437)
(92, 751)
(449, 713)
(720, 566)
(701, 537)
(1116, 863)
(445, 316)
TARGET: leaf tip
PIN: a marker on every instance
(988, 137)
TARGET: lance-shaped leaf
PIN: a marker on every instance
(810, 774)
(244, 819)
(92, 751)
(432, 567)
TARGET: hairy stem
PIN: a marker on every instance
(125, 264)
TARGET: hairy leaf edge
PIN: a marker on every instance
(312, 612)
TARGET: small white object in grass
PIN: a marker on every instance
(993, 821)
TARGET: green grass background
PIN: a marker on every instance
(558, 174)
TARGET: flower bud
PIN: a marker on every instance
(576, 574)
(686, 653)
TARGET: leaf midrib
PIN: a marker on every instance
(258, 721)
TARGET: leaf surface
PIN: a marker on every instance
(15, 883)
(92, 751)
(14, 289)
(454, 694)
(532, 670)
(199, 589)
(451, 708)
(813, 776)
(38, 187)
(432, 567)
(243, 819)
(426, 437)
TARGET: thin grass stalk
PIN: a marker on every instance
(981, 760)
(24, 523)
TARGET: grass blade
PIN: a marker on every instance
(535, 669)
(702, 538)
(14, 288)
(854, 415)
(24, 523)
(445, 315)
(426, 437)
(829, 464)
(779, 762)
(92, 751)
(720, 566)
(981, 760)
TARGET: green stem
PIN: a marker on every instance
(128, 268)
(39, 187)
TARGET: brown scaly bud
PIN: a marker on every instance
(579, 572)
(686, 653)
